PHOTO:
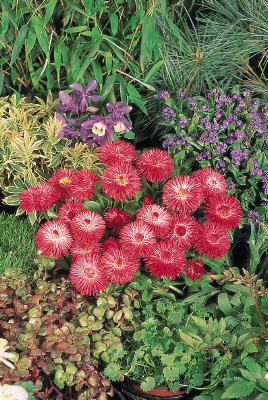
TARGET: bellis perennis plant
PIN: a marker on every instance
(92, 129)
(110, 226)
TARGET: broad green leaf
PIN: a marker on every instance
(113, 371)
(57, 56)
(5, 21)
(114, 23)
(107, 87)
(89, 58)
(97, 71)
(49, 10)
(263, 396)
(88, 5)
(18, 43)
(56, 160)
(200, 322)
(76, 29)
(30, 39)
(225, 305)
(93, 205)
(8, 10)
(153, 71)
(1, 80)
(186, 338)
(238, 390)
(41, 34)
(75, 7)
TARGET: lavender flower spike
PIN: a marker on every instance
(116, 111)
(68, 103)
(85, 94)
(96, 130)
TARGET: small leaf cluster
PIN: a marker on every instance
(58, 336)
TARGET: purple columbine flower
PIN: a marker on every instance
(96, 130)
(85, 94)
(66, 130)
(69, 103)
(116, 111)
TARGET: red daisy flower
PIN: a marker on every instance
(212, 182)
(38, 197)
(183, 231)
(155, 165)
(182, 193)
(54, 238)
(83, 184)
(111, 243)
(78, 250)
(69, 210)
(137, 239)
(88, 276)
(147, 200)
(157, 217)
(119, 266)
(225, 210)
(212, 240)
(117, 151)
(116, 219)
(62, 180)
(88, 226)
(120, 181)
(165, 260)
(195, 270)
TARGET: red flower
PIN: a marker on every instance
(120, 181)
(62, 180)
(116, 219)
(155, 165)
(158, 218)
(137, 239)
(38, 197)
(111, 243)
(212, 182)
(87, 226)
(117, 151)
(147, 200)
(69, 210)
(183, 231)
(54, 239)
(83, 184)
(165, 260)
(224, 210)
(195, 270)
(212, 240)
(88, 276)
(119, 266)
(83, 249)
(182, 193)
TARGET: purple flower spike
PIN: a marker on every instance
(66, 130)
(69, 103)
(116, 111)
(85, 94)
(96, 130)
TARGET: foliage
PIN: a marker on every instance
(58, 335)
(17, 246)
(49, 46)
(216, 345)
(30, 150)
(226, 133)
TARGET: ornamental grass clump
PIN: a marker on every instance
(56, 336)
(138, 215)
(226, 133)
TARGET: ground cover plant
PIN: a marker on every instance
(17, 245)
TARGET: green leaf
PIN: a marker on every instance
(57, 56)
(49, 10)
(147, 294)
(97, 71)
(107, 88)
(148, 384)
(76, 29)
(93, 205)
(253, 367)
(2, 75)
(251, 348)
(18, 44)
(8, 10)
(263, 396)
(114, 23)
(75, 7)
(41, 34)
(129, 135)
(113, 371)
(225, 305)
(89, 58)
(30, 40)
(238, 390)
(56, 161)
(153, 71)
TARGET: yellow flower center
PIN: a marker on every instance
(181, 192)
(121, 179)
(65, 181)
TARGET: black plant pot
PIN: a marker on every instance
(126, 390)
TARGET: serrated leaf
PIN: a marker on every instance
(148, 384)
(253, 367)
(238, 390)
(112, 371)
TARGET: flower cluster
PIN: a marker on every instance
(109, 246)
(97, 128)
(228, 133)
